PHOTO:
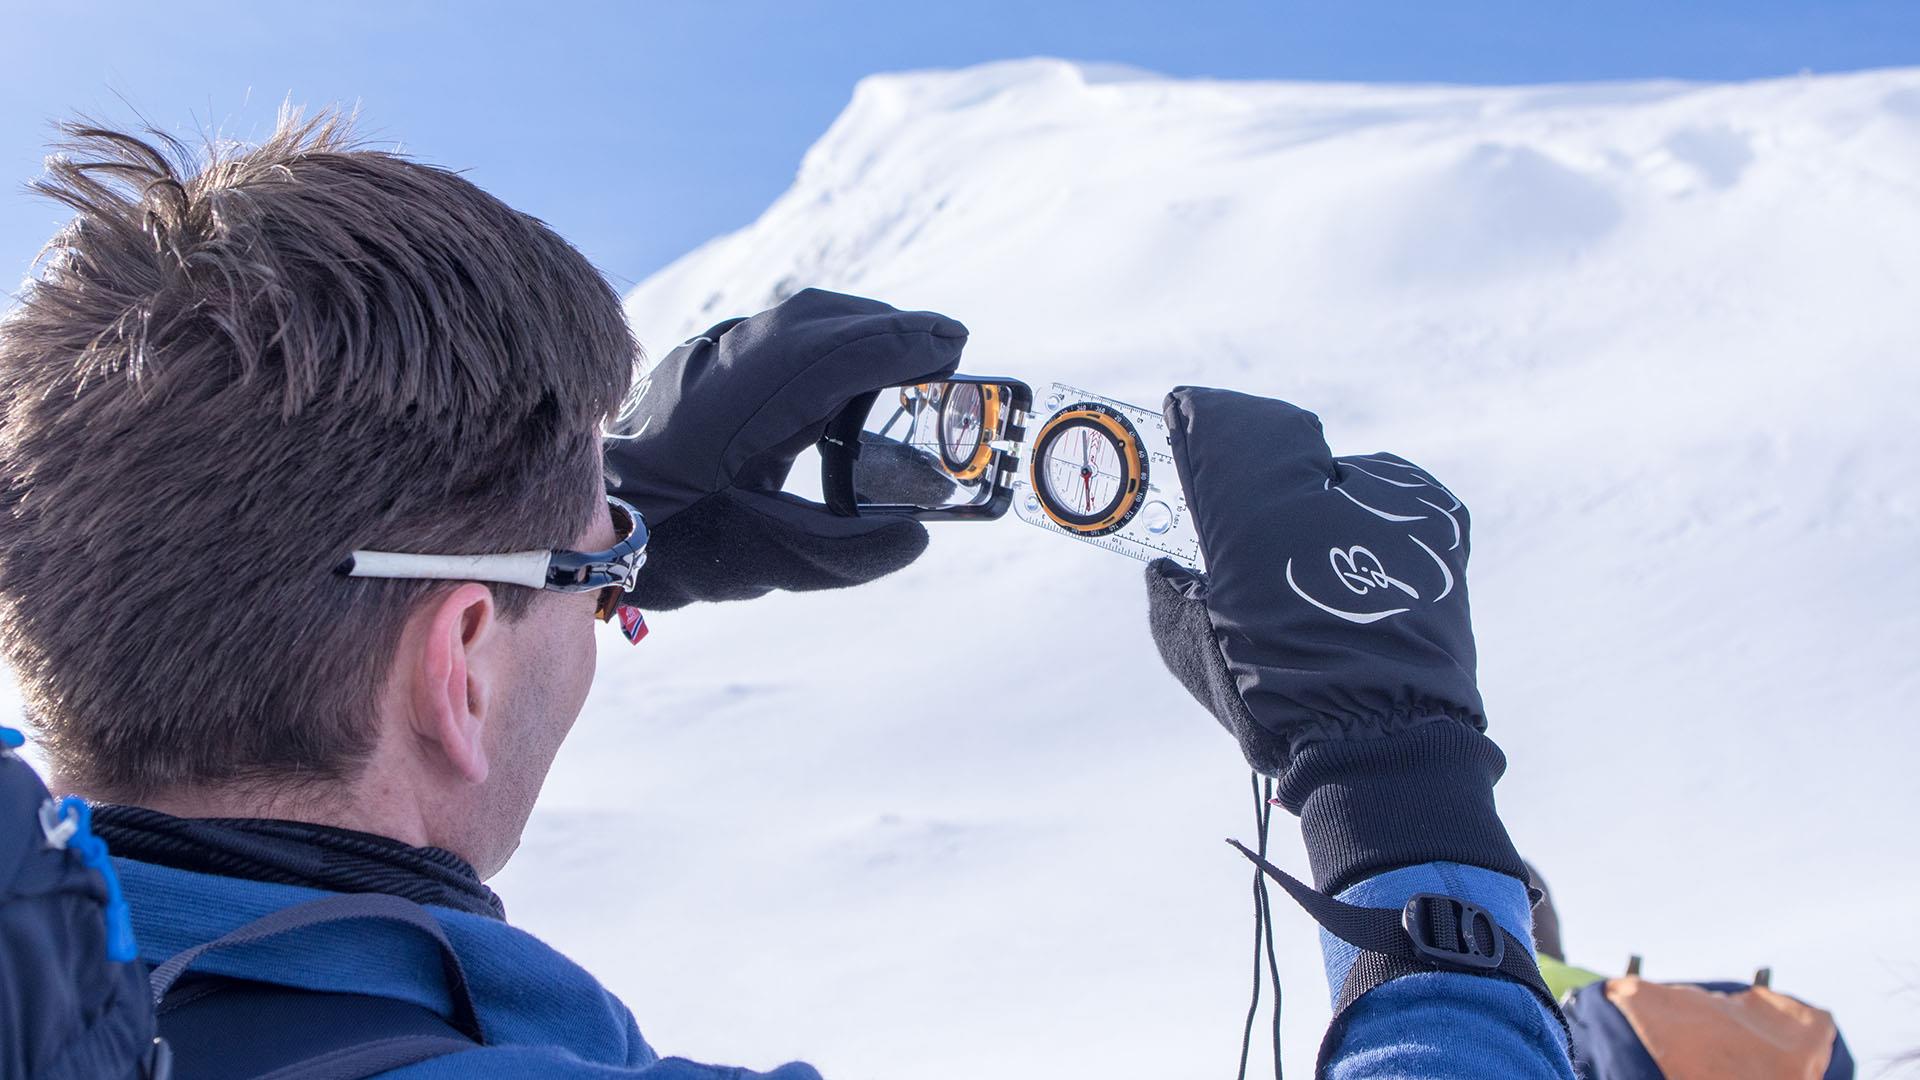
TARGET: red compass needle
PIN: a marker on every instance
(1086, 467)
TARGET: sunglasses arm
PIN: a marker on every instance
(528, 568)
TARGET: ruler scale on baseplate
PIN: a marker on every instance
(1102, 471)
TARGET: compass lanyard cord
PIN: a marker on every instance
(1262, 931)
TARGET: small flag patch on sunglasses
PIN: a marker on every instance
(632, 623)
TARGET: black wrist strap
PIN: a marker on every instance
(1432, 932)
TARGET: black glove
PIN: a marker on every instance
(713, 431)
(1331, 636)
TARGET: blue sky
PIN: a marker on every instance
(642, 129)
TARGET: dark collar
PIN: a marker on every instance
(297, 853)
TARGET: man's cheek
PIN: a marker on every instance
(584, 660)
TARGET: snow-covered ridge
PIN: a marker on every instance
(1662, 338)
(1041, 160)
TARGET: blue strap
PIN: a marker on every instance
(335, 909)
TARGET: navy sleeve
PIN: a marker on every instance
(1444, 1025)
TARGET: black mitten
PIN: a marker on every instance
(713, 432)
(1331, 636)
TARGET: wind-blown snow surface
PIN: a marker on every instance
(1661, 337)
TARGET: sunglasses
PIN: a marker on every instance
(610, 573)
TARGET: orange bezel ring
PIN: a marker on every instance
(1131, 486)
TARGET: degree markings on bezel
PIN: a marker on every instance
(1116, 433)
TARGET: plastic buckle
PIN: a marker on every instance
(57, 825)
(1463, 951)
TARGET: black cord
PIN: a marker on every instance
(1266, 907)
(1259, 929)
(1262, 932)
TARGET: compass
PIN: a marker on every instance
(1089, 469)
(968, 412)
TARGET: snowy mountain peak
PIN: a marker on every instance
(1660, 337)
(1085, 185)
(880, 99)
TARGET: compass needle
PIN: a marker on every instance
(1089, 469)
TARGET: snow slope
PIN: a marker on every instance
(1662, 338)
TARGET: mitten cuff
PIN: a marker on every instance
(1374, 805)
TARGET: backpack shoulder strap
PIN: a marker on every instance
(370, 1059)
(236, 1029)
(296, 1034)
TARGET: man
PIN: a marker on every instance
(320, 429)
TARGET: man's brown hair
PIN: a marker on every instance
(232, 368)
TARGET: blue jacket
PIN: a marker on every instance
(544, 1016)
(1440, 1026)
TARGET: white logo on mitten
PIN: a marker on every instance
(1362, 572)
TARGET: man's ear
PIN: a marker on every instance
(453, 678)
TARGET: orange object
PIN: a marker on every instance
(1697, 1034)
